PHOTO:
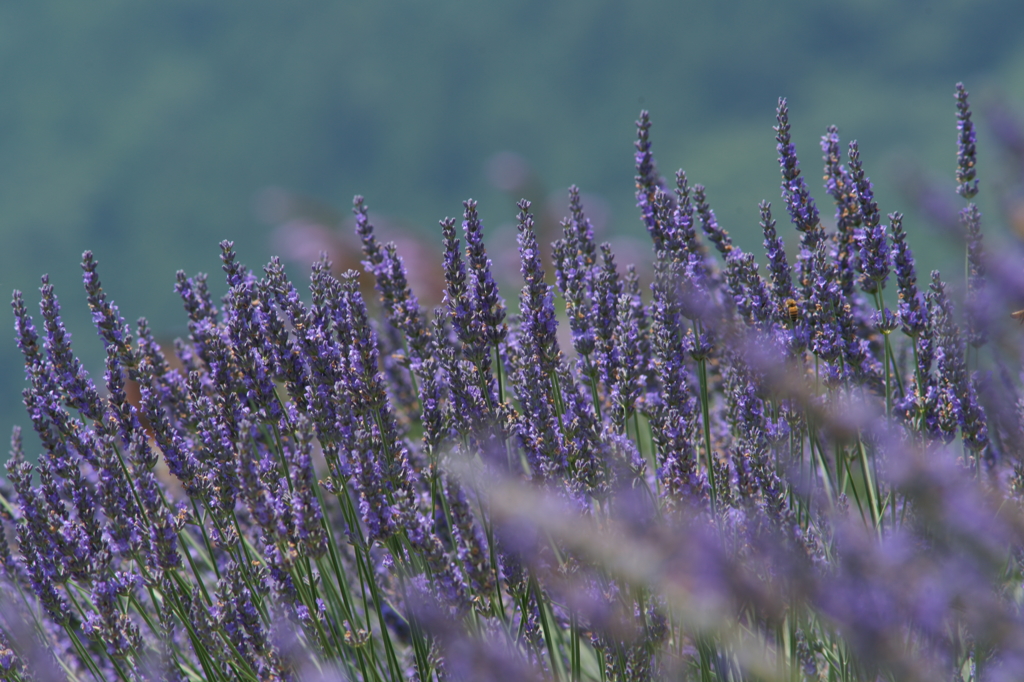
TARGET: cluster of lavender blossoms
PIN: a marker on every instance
(799, 474)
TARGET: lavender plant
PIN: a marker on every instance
(731, 475)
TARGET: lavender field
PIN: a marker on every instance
(715, 465)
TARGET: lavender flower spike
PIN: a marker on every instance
(718, 236)
(536, 299)
(387, 267)
(841, 187)
(646, 173)
(490, 308)
(79, 390)
(778, 265)
(105, 315)
(798, 199)
(873, 261)
(911, 307)
(966, 154)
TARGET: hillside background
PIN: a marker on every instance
(148, 132)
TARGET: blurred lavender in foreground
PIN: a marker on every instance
(728, 475)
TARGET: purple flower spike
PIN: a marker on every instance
(469, 539)
(748, 290)
(456, 296)
(798, 199)
(674, 419)
(489, 305)
(28, 339)
(646, 173)
(79, 391)
(536, 300)
(387, 267)
(236, 273)
(885, 321)
(778, 266)
(607, 288)
(206, 332)
(111, 326)
(874, 258)
(873, 261)
(308, 514)
(848, 214)
(571, 275)
(957, 397)
(911, 307)
(630, 377)
(825, 304)
(474, 328)
(534, 357)
(869, 215)
(966, 153)
(108, 626)
(581, 229)
(718, 236)
(575, 272)
(683, 237)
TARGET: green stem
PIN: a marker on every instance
(702, 374)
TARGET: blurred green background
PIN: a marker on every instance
(148, 132)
